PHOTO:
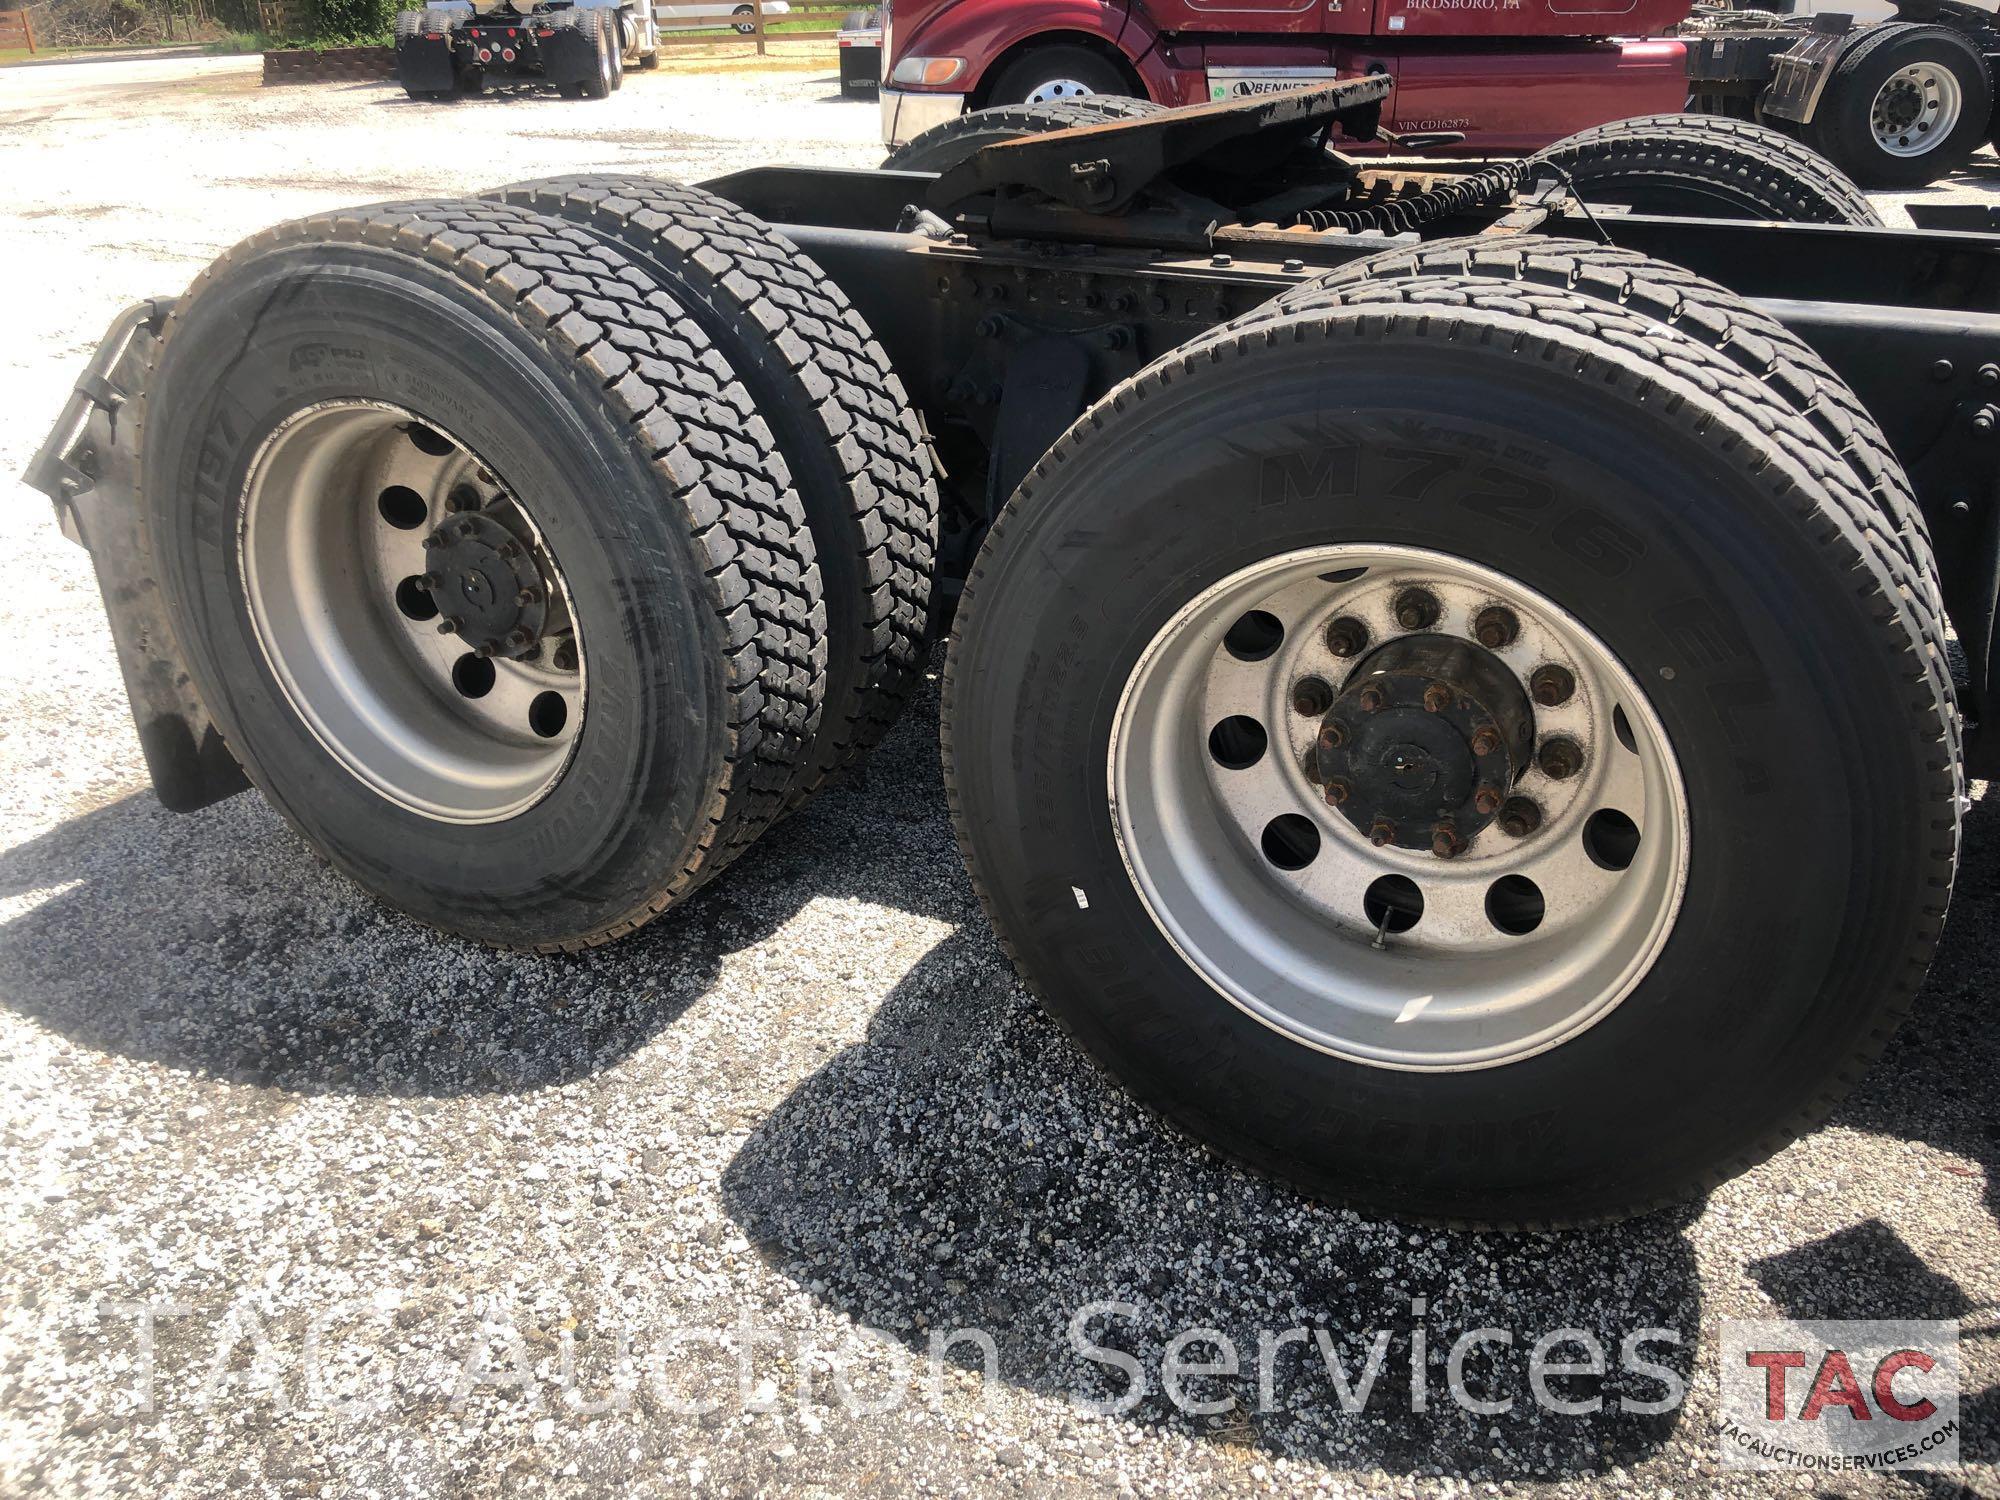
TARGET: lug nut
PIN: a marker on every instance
(450, 625)
(565, 657)
(1333, 735)
(1383, 832)
(1560, 758)
(528, 596)
(433, 540)
(508, 550)
(1415, 610)
(1372, 699)
(1338, 790)
(1551, 685)
(467, 529)
(1519, 818)
(1437, 697)
(1495, 627)
(1444, 839)
(1346, 636)
(518, 638)
(1311, 697)
(462, 498)
(1485, 740)
(1485, 800)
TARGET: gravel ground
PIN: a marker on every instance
(397, 1186)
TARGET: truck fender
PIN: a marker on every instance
(995, 30)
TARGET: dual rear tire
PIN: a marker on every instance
(535, 655)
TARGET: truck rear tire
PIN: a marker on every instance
(1707, 166)
(604, 78)
(1186, 842)
(1907, 105)
(840, 416)
(409, 25)
(485, 564)
(943, 147)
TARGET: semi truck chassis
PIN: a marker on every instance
(1565, 588)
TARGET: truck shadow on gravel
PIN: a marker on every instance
(217, 943)
(964, 1166)
(967, 1167)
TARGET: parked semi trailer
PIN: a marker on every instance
(578, 46)
(1448, 694)
(1894, 104)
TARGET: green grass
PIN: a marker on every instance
(239, 43)
(22, 54)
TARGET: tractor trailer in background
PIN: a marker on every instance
(1896, 103)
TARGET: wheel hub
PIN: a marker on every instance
(1902, 105)
(1398, 806)
(1419, 749)
(486, 585)
(411, 612)
(1916, 109)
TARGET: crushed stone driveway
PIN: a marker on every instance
(409, 1218)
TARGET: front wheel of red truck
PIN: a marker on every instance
(1057, 72)
(1462, 748)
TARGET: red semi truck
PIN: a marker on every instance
(1511, 75)
(1896, 103)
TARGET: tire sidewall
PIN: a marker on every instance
(345, 323)
(1758, 994)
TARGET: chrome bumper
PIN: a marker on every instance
(906, 116)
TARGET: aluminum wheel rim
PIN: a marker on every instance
(1059, 88)
(347, 507)
(1305, 951)
(1916, 109)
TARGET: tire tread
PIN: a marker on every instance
(802, 348)
(661, 378)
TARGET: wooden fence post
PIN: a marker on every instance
(757, 6)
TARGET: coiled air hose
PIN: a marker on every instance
(1480, 189)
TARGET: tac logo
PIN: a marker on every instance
(1839, 1397)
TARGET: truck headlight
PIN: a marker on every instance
(932, 72)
